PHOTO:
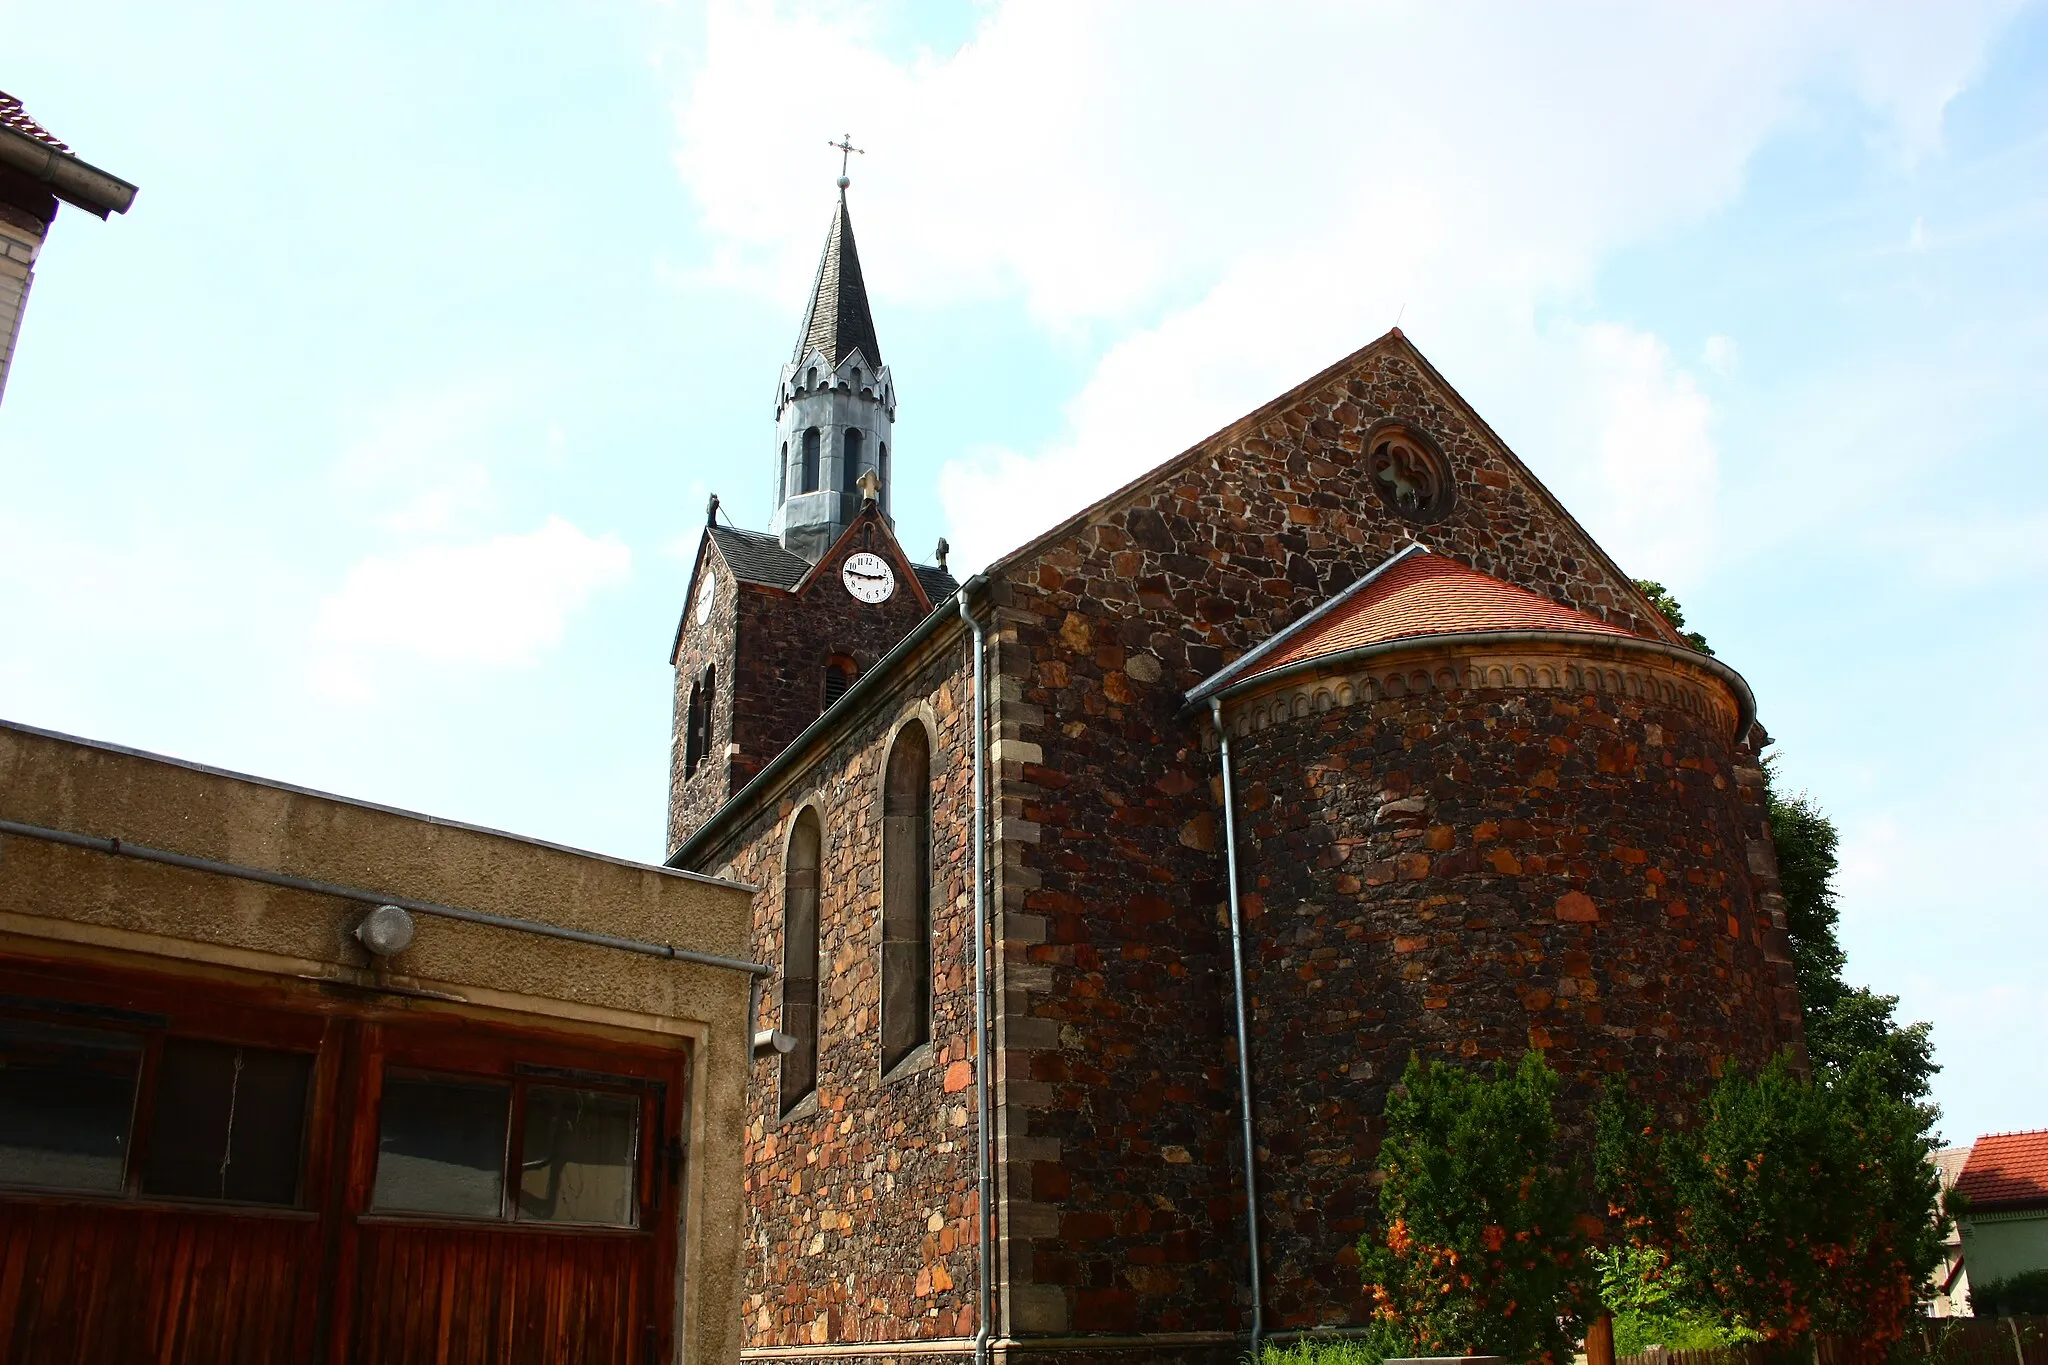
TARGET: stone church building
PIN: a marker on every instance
(1111, 889)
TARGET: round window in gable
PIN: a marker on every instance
(1409, 472)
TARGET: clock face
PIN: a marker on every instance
(868, 576)
(706, 595)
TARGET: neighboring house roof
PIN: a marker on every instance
(2007, 1170)
(15, 119)
(756, 557)
(838, 319)
(1413, 594)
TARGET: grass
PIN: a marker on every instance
(1321, 1353)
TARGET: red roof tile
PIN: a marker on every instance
(15, 119)
(2006, 1168)
(1427, 594)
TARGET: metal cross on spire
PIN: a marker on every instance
(846, 150)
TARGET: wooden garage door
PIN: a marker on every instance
(217, 1174)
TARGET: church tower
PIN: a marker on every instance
(834, 407)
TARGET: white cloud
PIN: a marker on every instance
(496, 603)
(1238, 195)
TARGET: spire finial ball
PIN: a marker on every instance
(844, 182)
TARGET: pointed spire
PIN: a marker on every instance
(838, 320)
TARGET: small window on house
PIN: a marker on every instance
(800, 960)
(67, 1105)
(906, 896)
(840, 673)
(228, 1122)
(810, 481)
(850, 445)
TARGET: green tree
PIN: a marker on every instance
(1480, 1249)
(1787, 1205)
(1845, 1024)
(1661, 598)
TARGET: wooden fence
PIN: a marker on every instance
(1934, 1341)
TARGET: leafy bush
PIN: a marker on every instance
(2025, 1293)
(1480, 1250)
(1786, 1208)
(1653, 1307)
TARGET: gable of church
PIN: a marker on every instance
(1243, 533)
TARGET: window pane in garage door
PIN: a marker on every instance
(441, 1147)
(67, 1098)
(581, 1147)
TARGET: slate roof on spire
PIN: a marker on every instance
(838, 321)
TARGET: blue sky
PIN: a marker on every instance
(367, 451)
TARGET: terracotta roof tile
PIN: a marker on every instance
(2006, 1169)
(14, 118)
(1427, 594)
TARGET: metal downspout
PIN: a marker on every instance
(984, 1167)
(1244, 1056)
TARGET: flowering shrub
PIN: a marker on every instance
(1480, 1249)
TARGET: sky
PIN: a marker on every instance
(369, 450)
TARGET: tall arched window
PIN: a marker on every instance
(811, 377)
(782, 474)
(693, 732)
(810, 461)
(800, 959)
(907, 896)
(882, 468)
(849, 456)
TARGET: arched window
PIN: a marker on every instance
(840, 672)
(810, 461)
(697, 722)
(693, 733)
(782, 475)
(882, 468)
(800, 959)
(907, 896)
(856, 378)
(849, 456)
(811, 377)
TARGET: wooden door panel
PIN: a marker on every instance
(499, 1296)
(82, 1284)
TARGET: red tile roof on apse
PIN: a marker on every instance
(15, 118)
(2006, 1168)
(1421, 593)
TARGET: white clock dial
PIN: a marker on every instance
(706, 596)
(868, 576)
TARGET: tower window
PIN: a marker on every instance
(800, 959)
(810, 461)
(882, 469)
(856, 376)
(840, 673)
(811, 377)
(907, 896)
(697, 726)
(782, 475)
(850, 444)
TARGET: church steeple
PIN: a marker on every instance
(835, 407)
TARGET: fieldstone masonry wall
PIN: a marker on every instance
(863, 1219)
(1466, 872)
